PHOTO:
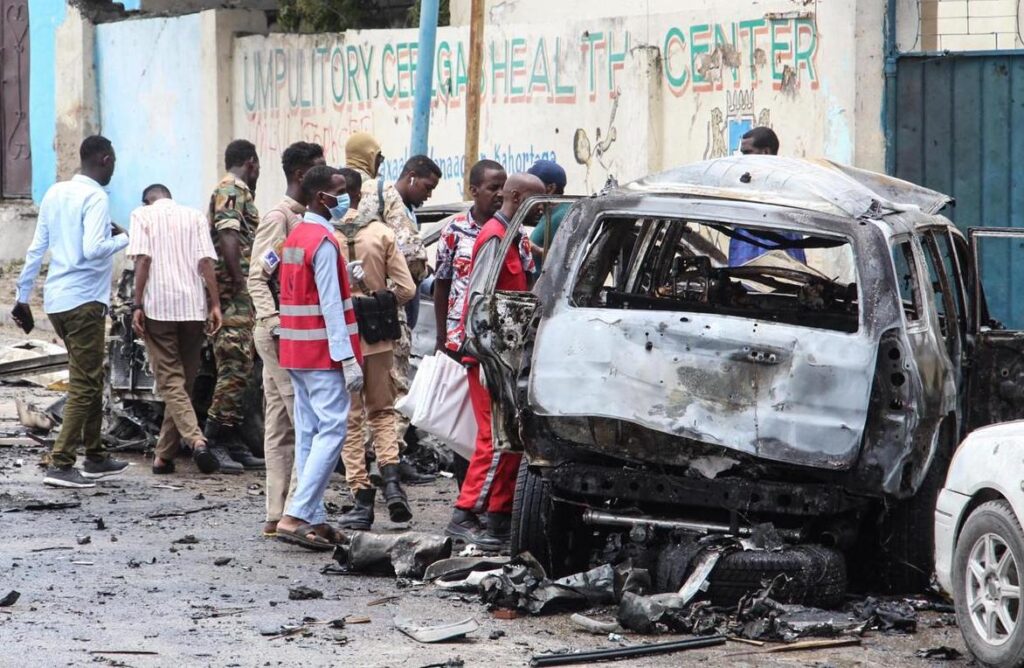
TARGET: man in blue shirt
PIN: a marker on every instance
(553, 177)
(74, 226)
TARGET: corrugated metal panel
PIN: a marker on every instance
(960, 130)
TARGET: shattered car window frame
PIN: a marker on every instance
(667, 236)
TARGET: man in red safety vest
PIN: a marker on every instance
(319, 342)
(491, 478)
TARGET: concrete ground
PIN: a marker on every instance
(105, 577)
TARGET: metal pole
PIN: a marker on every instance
(476, 56)
(424, 78)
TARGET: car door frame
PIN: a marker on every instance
(989, 344)
(493, 316)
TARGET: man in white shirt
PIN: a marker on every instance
(174, 256)
(74, 226)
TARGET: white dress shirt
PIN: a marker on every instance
(74, 225)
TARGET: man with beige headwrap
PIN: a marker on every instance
(362, 153)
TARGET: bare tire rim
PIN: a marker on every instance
(993, 589)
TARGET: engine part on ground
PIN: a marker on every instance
(406, 555)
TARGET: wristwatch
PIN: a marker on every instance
(136, 307)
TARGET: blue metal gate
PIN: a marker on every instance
(959, 129)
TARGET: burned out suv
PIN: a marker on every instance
(820, 387)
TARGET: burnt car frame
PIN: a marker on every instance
(650, 384)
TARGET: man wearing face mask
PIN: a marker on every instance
(394, 205)
(320, 349)
(381, 285)
(234, 220)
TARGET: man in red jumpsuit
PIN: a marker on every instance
(491, 478)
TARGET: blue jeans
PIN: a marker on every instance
(321, 418)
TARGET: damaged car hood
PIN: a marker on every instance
(769, 390)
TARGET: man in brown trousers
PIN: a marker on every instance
(381, 267)
(174, 259)
(279, 396)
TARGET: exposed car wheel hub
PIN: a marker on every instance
(993, 589)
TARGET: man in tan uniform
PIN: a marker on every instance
(415, 184)
(279, 435)
(382, 267)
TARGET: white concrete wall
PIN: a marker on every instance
(961, 25)
(623, 96)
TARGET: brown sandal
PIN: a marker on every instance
(301, 536)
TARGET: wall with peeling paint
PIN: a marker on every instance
(150, 108)
(647, 89)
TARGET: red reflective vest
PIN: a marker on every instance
(303, 331)
(513, 275)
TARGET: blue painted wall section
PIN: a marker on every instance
(148, 76)
(44, 16)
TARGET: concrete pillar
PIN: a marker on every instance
(217, 33)
(75, 93)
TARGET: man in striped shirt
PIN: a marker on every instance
(174, 258)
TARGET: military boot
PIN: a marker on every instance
(360, 518)
(394, 495)
(465, 526)
(215, 442)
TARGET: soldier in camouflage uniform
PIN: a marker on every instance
(415, 184)
(233, 220)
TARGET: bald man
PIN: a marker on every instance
(491, 478)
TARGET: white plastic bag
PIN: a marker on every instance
(442, 405)
(418, 389)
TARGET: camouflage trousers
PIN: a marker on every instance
(233, 350)
(400, 370)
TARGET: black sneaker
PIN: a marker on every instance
(66, 476)
(103, 469)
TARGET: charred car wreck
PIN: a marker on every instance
(821, 387)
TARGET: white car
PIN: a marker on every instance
(979, 544)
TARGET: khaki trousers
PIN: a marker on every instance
(278, 421)
(174, 351)
(377, 401)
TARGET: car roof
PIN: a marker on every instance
(815, 185)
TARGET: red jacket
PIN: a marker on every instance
(513, 274)
(304, 343)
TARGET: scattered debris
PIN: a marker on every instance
(523, 585)
(630, 652)
(50, 549)
(83, 563)
(222, 561)
(209, 612)
(33, 418)
(185, 513)
(83, 540)
(941, 653)
(187, 539)
(382, 601)
(438, 633)
(44, 505)
(10, 599)
(101, 525)
(456, 662)
(496, 635)
(303, 593)
(131, 652)
(805, 645)
(406, 555)
(594, 626)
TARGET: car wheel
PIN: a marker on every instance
(551, 531)
(988, 566)
(812, 575)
